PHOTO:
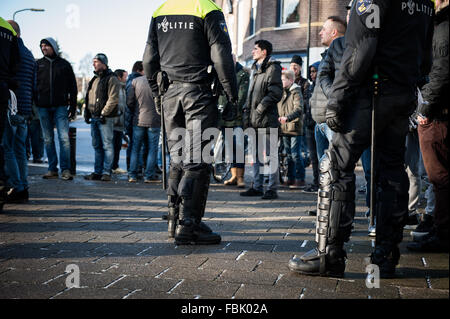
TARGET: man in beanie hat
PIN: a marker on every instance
(102, 100)
(56, 101)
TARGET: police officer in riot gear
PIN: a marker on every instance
(389, 41)
(188, 49)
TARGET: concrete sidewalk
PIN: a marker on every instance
(114, 234)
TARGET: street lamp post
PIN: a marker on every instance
(30, 9)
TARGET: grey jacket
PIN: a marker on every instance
(291, 106)
(140, 101)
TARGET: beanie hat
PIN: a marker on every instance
(102, 58)
(297, 59)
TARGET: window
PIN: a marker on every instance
(288, 12)
(253, 17)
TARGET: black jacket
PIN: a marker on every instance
(436, 92)
(399, 48)
(199, 28)
(266, 90)
(9, 54)
(330, 65)
(56, 83)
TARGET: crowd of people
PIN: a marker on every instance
(308, 113)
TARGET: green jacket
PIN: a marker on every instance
(243, 80)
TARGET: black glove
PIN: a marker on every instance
(334, 121)
(72, 112)
(158, 104)
(245, 118)
(229, 112)
(102, 119)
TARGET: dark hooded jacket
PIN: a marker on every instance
(436, 92)
(266, 90)
(56, 83)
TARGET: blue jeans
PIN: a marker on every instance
(35, 140)
(152, 157)
(272, 162)
(365, 159)
(324, 135)
(102, 141)
(15, 153)
(292, 146)
(51, 117)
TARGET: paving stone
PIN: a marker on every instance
(420, 293)
(250, 291)
(206, 288)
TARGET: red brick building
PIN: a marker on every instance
(282, 22)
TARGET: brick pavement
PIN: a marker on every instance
(114, 233)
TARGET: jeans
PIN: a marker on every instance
(15, 152)
(102, 141)
(412, 161)
(51, 117)
(237, 147)
(270, 161)
(35, 140)
(324, 135)
(365, 159)
(139, 134)
(296, 168)
(311, 143)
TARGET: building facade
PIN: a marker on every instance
(282, 22)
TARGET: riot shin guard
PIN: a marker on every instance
(335, 212)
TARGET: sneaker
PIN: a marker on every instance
(51, 175)
(38, 161)
(66, 175)
(298, 185)
(119, 171)
(413, 219)
(372, 231)
(93, 177)
(424, 228)
(106, 178)
(153, 179)
(270, 194)
(252, 193)
(15, 197)
(311, 189)
(132, 180)
(430, 243)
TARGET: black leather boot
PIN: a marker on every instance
(386, 258)
(331, 264)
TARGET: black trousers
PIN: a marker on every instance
(189, 110)
(391, 180)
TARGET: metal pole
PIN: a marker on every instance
(372, 151)
(308, 36)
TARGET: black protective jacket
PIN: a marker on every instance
(266, 90)
(186, 37)
(390, 36)
(9, 54)
(436, 92)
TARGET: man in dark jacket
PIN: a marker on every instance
(56, 91)
(15, 136)
(433, 135)
(393, 51)
(102, 105)
(261, 113)
(136, 71)
(146, 122)
(237, 168)
(9, 62)
(199, 27)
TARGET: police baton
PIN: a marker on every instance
(372, 148)
(163, 84)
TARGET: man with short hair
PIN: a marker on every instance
(102, 100)
(56, 91)
(15, 136)
(261, 112)
(119, 123)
